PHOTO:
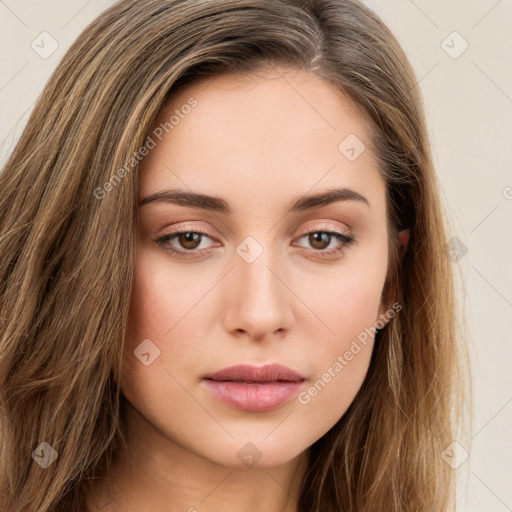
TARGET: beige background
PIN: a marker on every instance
(468, 96)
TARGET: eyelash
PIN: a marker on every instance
(345, 239)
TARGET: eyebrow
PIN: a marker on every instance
(220, 205)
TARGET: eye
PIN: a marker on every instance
(322, 242)
(189, 241)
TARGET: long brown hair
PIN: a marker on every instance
(67, 241)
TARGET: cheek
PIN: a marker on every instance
(342, 363)
(349, 310)
(348, 302)
(157, 316)
(166, 309)
(163, 301)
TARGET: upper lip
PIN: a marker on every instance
(249, 373)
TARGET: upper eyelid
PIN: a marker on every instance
(319, 225)
(325, 226)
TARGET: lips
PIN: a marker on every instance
(248, 373)
(252, 388)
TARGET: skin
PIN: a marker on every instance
(259, 143)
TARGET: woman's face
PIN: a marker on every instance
(257, 277)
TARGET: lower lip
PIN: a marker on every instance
(253, 397)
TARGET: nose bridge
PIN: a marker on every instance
(260, 302)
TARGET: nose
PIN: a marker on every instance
(260, 298)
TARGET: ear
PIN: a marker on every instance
(389, 293)
(403, 240)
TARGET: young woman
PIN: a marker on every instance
(224, 282)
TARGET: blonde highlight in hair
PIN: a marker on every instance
(67, 257)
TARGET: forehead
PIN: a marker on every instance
(264, 134)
